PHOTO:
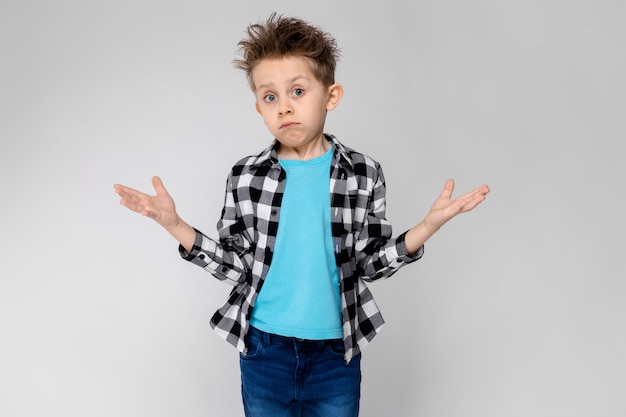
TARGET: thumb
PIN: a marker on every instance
(448, 188)
(158, 185)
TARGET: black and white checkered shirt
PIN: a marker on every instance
(364, 247)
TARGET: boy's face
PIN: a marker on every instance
(294, 104)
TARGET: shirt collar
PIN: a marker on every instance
(270, 154)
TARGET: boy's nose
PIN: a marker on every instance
(285, 108)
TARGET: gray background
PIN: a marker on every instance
(517, 309)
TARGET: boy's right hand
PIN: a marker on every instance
(160, 207)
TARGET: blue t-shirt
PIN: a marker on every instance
(300, 295)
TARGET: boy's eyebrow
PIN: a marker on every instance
(291, 81)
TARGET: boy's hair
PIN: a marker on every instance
(281, 37)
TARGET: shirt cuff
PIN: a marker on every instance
(403, 254)
(195, 249)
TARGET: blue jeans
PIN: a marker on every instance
(284, 376)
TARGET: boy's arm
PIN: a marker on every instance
(444, 209)
(160, 208)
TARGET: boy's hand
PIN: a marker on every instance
(444, 209)
(160, 207)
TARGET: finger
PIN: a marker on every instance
(158, 185)
(132, 199)
(124, 191)
(478, 191)
(483, 189)
(448, 188)
(119, 189)
(470, 205)
(479, 194)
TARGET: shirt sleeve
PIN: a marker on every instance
(378, 254)
(228, 259)
(213, 258)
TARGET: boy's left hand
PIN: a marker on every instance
(441, 211)
(445, 208)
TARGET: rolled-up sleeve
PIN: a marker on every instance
(378, 254)
(225, 265)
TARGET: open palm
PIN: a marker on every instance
(445, 207)
(159, 207)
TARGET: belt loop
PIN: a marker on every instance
(267, 338)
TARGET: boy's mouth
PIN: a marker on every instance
(288, 124)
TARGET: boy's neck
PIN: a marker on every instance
(311, 150)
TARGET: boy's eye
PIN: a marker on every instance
(269, 98)
(298, 92)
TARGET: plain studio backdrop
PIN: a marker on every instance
(516, 309)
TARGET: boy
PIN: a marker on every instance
(300, 312)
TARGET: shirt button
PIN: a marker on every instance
(274, 212)
(201, 256)
(224, 269)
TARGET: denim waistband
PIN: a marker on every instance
(278, 340)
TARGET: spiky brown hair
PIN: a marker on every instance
(281, 37)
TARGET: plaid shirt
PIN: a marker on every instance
(364, 247)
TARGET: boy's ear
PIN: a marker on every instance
(335, 92)
(258, 109)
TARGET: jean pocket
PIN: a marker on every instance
(254, 347)
(335, 348)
